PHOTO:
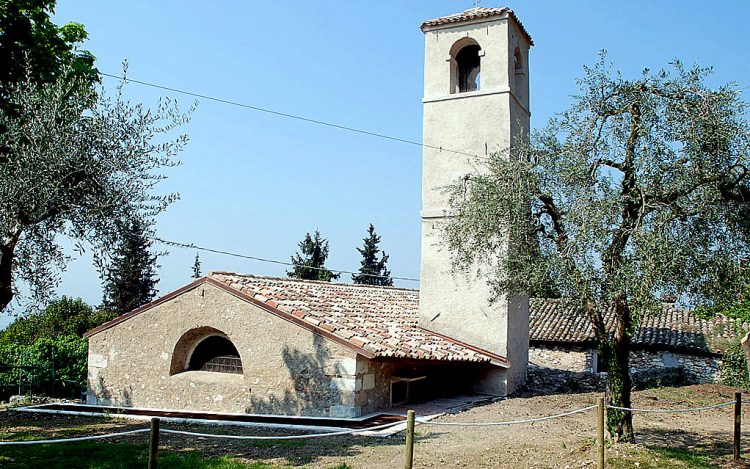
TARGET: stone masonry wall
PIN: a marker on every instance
(286, 369)
(562, 358)
(698, 369)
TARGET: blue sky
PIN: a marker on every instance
(255, 183)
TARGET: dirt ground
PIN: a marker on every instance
(702, 439)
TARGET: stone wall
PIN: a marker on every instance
(697, 368)
(576, 359)
(286, 369)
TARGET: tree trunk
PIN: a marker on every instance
(6, 278)
(620, 422)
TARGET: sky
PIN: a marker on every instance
(254, 183)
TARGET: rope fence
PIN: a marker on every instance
(73, 440)
(673, 411)
(411, 422)
(285, 437)
(510, 422)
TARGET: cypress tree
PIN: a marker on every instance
(309, 262)
(373, 271)
(197, 267)
(130, 281)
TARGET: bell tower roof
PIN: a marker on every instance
(475, 15)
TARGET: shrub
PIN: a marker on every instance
(52, 367)
(734, 366)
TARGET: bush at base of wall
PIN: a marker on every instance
(734, 367)
(51, 367)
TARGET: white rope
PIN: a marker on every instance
(673, 411)
(284, 437)
(511, 422)
(72, 440)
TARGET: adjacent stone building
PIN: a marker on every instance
(672, 338)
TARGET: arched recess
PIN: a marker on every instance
(205, 349)
(466, 66)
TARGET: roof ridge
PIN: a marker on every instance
(319, 282)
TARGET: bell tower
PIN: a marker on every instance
(476, 101)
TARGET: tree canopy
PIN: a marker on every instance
(62, 317)
(309, 262)
(373, 271)
(639, 190)
(196, 267)
(35, 49)
(130, 279)
(79, 164)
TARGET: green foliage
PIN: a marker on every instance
(737, 307)
(51, 366)
(63, 317)
(79, 164)
(130, 280)
(309, 263)
(733, 370)
(31, 46)
(373, 271)
(640, 189)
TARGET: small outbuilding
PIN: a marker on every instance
(671, 338)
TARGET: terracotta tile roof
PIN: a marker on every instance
(476, 14)
(379, 320)
(670, 329)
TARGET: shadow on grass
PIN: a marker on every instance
(676, 449)
(107, 455)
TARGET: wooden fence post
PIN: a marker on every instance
(737, 424)
(409, 439)
(600, 433)
(153, 444)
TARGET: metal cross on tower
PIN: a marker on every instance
(477, 3)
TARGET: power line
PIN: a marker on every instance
(272, 261)
(287, 115)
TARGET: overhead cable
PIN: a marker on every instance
(274, 261)
(286, 114)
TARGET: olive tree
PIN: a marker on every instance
(639, 190)
(80, 164)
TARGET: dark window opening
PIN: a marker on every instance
(467, 63)
(601, 364)
(216, 353)
(518, 61)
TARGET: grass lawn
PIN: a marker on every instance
(631, 456)
(109, 455)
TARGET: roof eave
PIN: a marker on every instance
(436, 24)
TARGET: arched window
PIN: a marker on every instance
(205, 349)
(467, 63)
(216, 353)
(465, 58)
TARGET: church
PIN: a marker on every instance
(261, 345)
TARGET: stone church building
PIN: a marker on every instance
(249, 344)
